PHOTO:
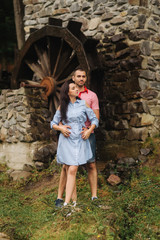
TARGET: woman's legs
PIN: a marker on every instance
(62, 182)
(71, 182)
(74, 194)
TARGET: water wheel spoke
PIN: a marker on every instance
(63, 80)
(58, 58)
(51, 105)
(54, 45)
(56, 101)
(43, 58)
(72, 65)
(36, 68)
(58, 95)
(32, 82)
(66, 69)
(46, 60)
(64, 60)
(58, 89)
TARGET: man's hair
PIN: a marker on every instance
(79, 69)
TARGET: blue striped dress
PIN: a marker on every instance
(74, 150)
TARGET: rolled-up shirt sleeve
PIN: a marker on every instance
(92, 117)
(56, 118)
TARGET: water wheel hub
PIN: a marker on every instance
(49, 84)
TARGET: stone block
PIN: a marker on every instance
(43, 20)
(2, 157)
(122, 124)
(136, 35)
(132, 64)
(147, 74)
(154, 110)
(137, 134)
(93, 24)
(107, 16)
(141, 21)
(19, 175)
(75, 7)
(154, 85)
(145, 48)
(149, 94)
(113, 180)
(118, 37)
(134, 2)
(143, 84)
(151, 24)
(30, 22)
(139, 120)
(84, 22)
(133, 10)
(2, 105)
(158, 75)
(117, 20)
(121, 76)
(29, 9)
(39, 165)
(123, 53)
(142, 158)
(117, 135)
(60, 11)
(26, 2)
(155, 46)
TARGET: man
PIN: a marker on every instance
(80, 78)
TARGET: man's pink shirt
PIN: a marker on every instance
(92, 100)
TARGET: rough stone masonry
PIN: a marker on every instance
(129, 43)
(26, 139)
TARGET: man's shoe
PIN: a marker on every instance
(59, 203)
(94, 198)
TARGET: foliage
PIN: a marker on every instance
(7, 29)
(123, 212)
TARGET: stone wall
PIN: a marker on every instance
(129, 42)
(25, 135)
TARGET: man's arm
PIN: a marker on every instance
(96, 111)
(65, 131)
(62, 128)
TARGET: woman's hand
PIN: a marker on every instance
(65, 130)
(86, 133)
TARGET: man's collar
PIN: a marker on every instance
(85, 90)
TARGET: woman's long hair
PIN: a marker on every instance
(64, 99)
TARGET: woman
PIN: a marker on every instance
(73, 150)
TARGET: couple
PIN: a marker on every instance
(76, 145)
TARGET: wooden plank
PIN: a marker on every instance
(54, 45)
(42, 59)
(63, 80)
(55, 21)
(56, 102)
(68, 67)
(36, 68)
(58, 58)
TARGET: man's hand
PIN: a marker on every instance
(85, 133)
(65, 131)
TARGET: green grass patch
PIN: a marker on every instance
(128, 211)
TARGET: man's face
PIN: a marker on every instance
(79, 78)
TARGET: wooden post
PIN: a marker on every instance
(18, 15)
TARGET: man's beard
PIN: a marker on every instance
(81, 85)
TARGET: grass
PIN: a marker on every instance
(128, 211)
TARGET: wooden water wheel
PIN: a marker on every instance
(51, 54)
